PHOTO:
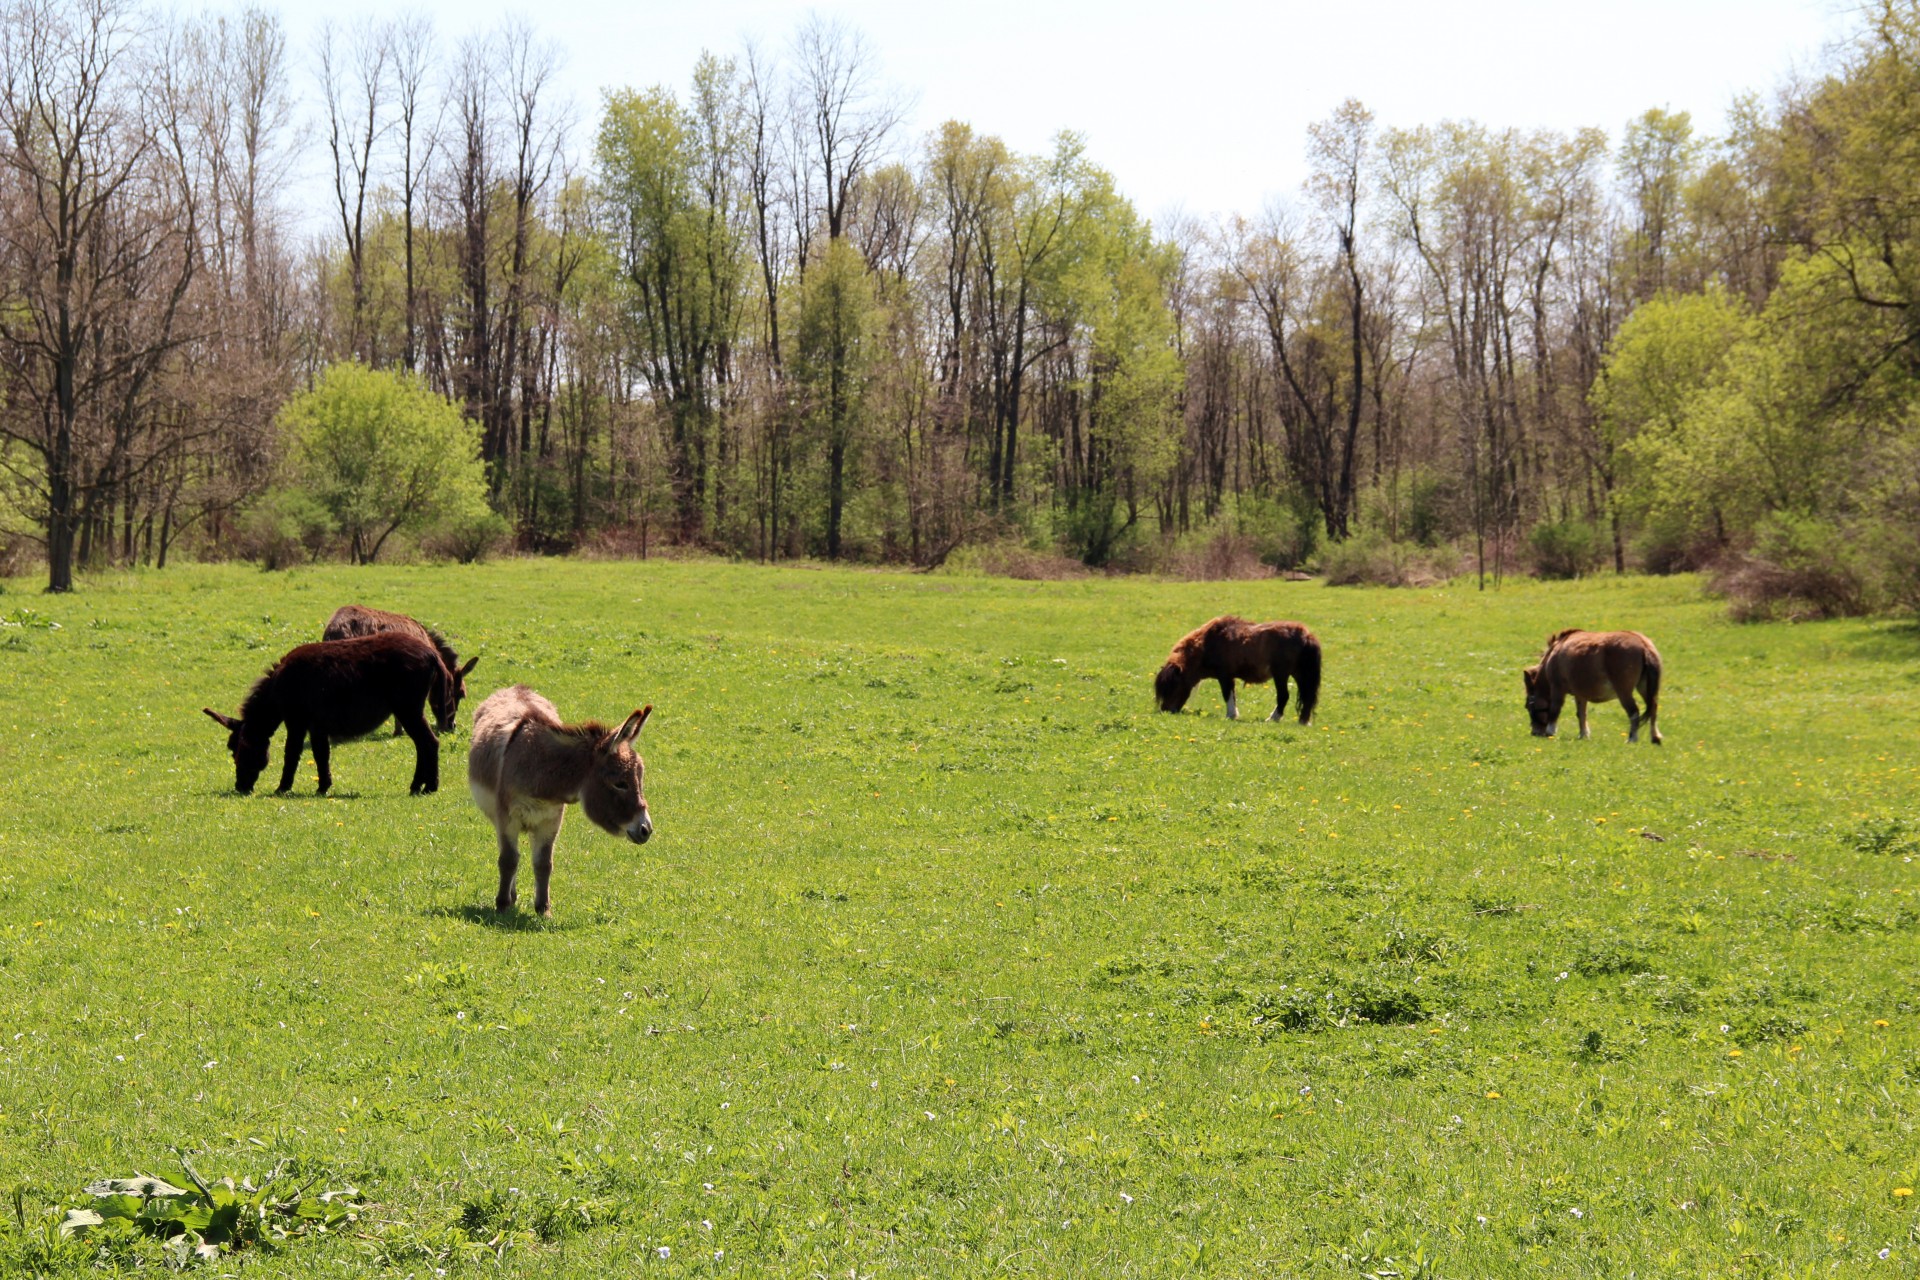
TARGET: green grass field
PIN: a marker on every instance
(951, 956)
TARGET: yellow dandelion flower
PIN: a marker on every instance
(1493, 1093)
(1881, 1022)
(1795, 1049)
(1733, 1053)
(1903, 1192)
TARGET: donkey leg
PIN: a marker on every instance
(1633, 716)
(509, 868)
(543, 863)
(1226, 692)
(1580, 710)
(426, 753)
(323, 759)
(296, 738)
(1280, 700)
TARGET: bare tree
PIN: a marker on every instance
(526, 69)
(354, 73)
(96, 233)
(469, 179)
(845, 115)
(412, 61)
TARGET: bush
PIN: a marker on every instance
(1013, 560)
(1566, 548)
(1370, 558)
(468, 538)
(1276, 534)
(1799, 568)
(1219, 556)
(383, 453)
(1096, 529)
(284, 528)
(1669, 544)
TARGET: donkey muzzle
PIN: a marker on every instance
(640, 828)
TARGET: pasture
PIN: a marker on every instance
(950, 955)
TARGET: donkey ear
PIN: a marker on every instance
(631, 729)
(467, 666)
(225, 722)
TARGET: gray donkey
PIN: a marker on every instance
(526, 767)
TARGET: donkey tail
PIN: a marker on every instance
(1306, 674)
(1650, 679)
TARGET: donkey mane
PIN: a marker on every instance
(1187, 650)
(257, 705)
(587, 730)
(447, 655)
(1558, 636)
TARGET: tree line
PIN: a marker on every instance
(760, 317)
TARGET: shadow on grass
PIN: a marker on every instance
(1888, 642)
(228, 793)
(515, 921)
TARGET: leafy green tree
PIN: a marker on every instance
(676, 219)
(1115, 282)
(1648, 450)
(380, 453)
(834, 330)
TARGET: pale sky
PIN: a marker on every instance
(1199, 107)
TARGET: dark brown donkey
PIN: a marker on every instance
(341, 689)
(526, 767)
(351, 620)
(1595, 666)
(1229, 649)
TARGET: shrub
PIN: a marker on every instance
(382, 453)
(1566, 548)
(468, 537)
(1277, 534)
(284, 528)
(1219, 556)
(1799, 568)
(1013, 560)
(1096, 529)
(1370, 558)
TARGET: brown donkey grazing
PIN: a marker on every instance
(526, 767)
(1229, 649)
(1595, 666)
(342, 689)
(351, 620)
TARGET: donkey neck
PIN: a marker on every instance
(261, 711)
(562, 760)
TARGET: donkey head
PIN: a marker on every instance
(249, 755)
(1172, 687)
(1540, 708)
(612, 796)
(450, 707)
(443, 700)
(459, 674)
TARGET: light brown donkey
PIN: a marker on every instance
(1595, 666)
(526, 767)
